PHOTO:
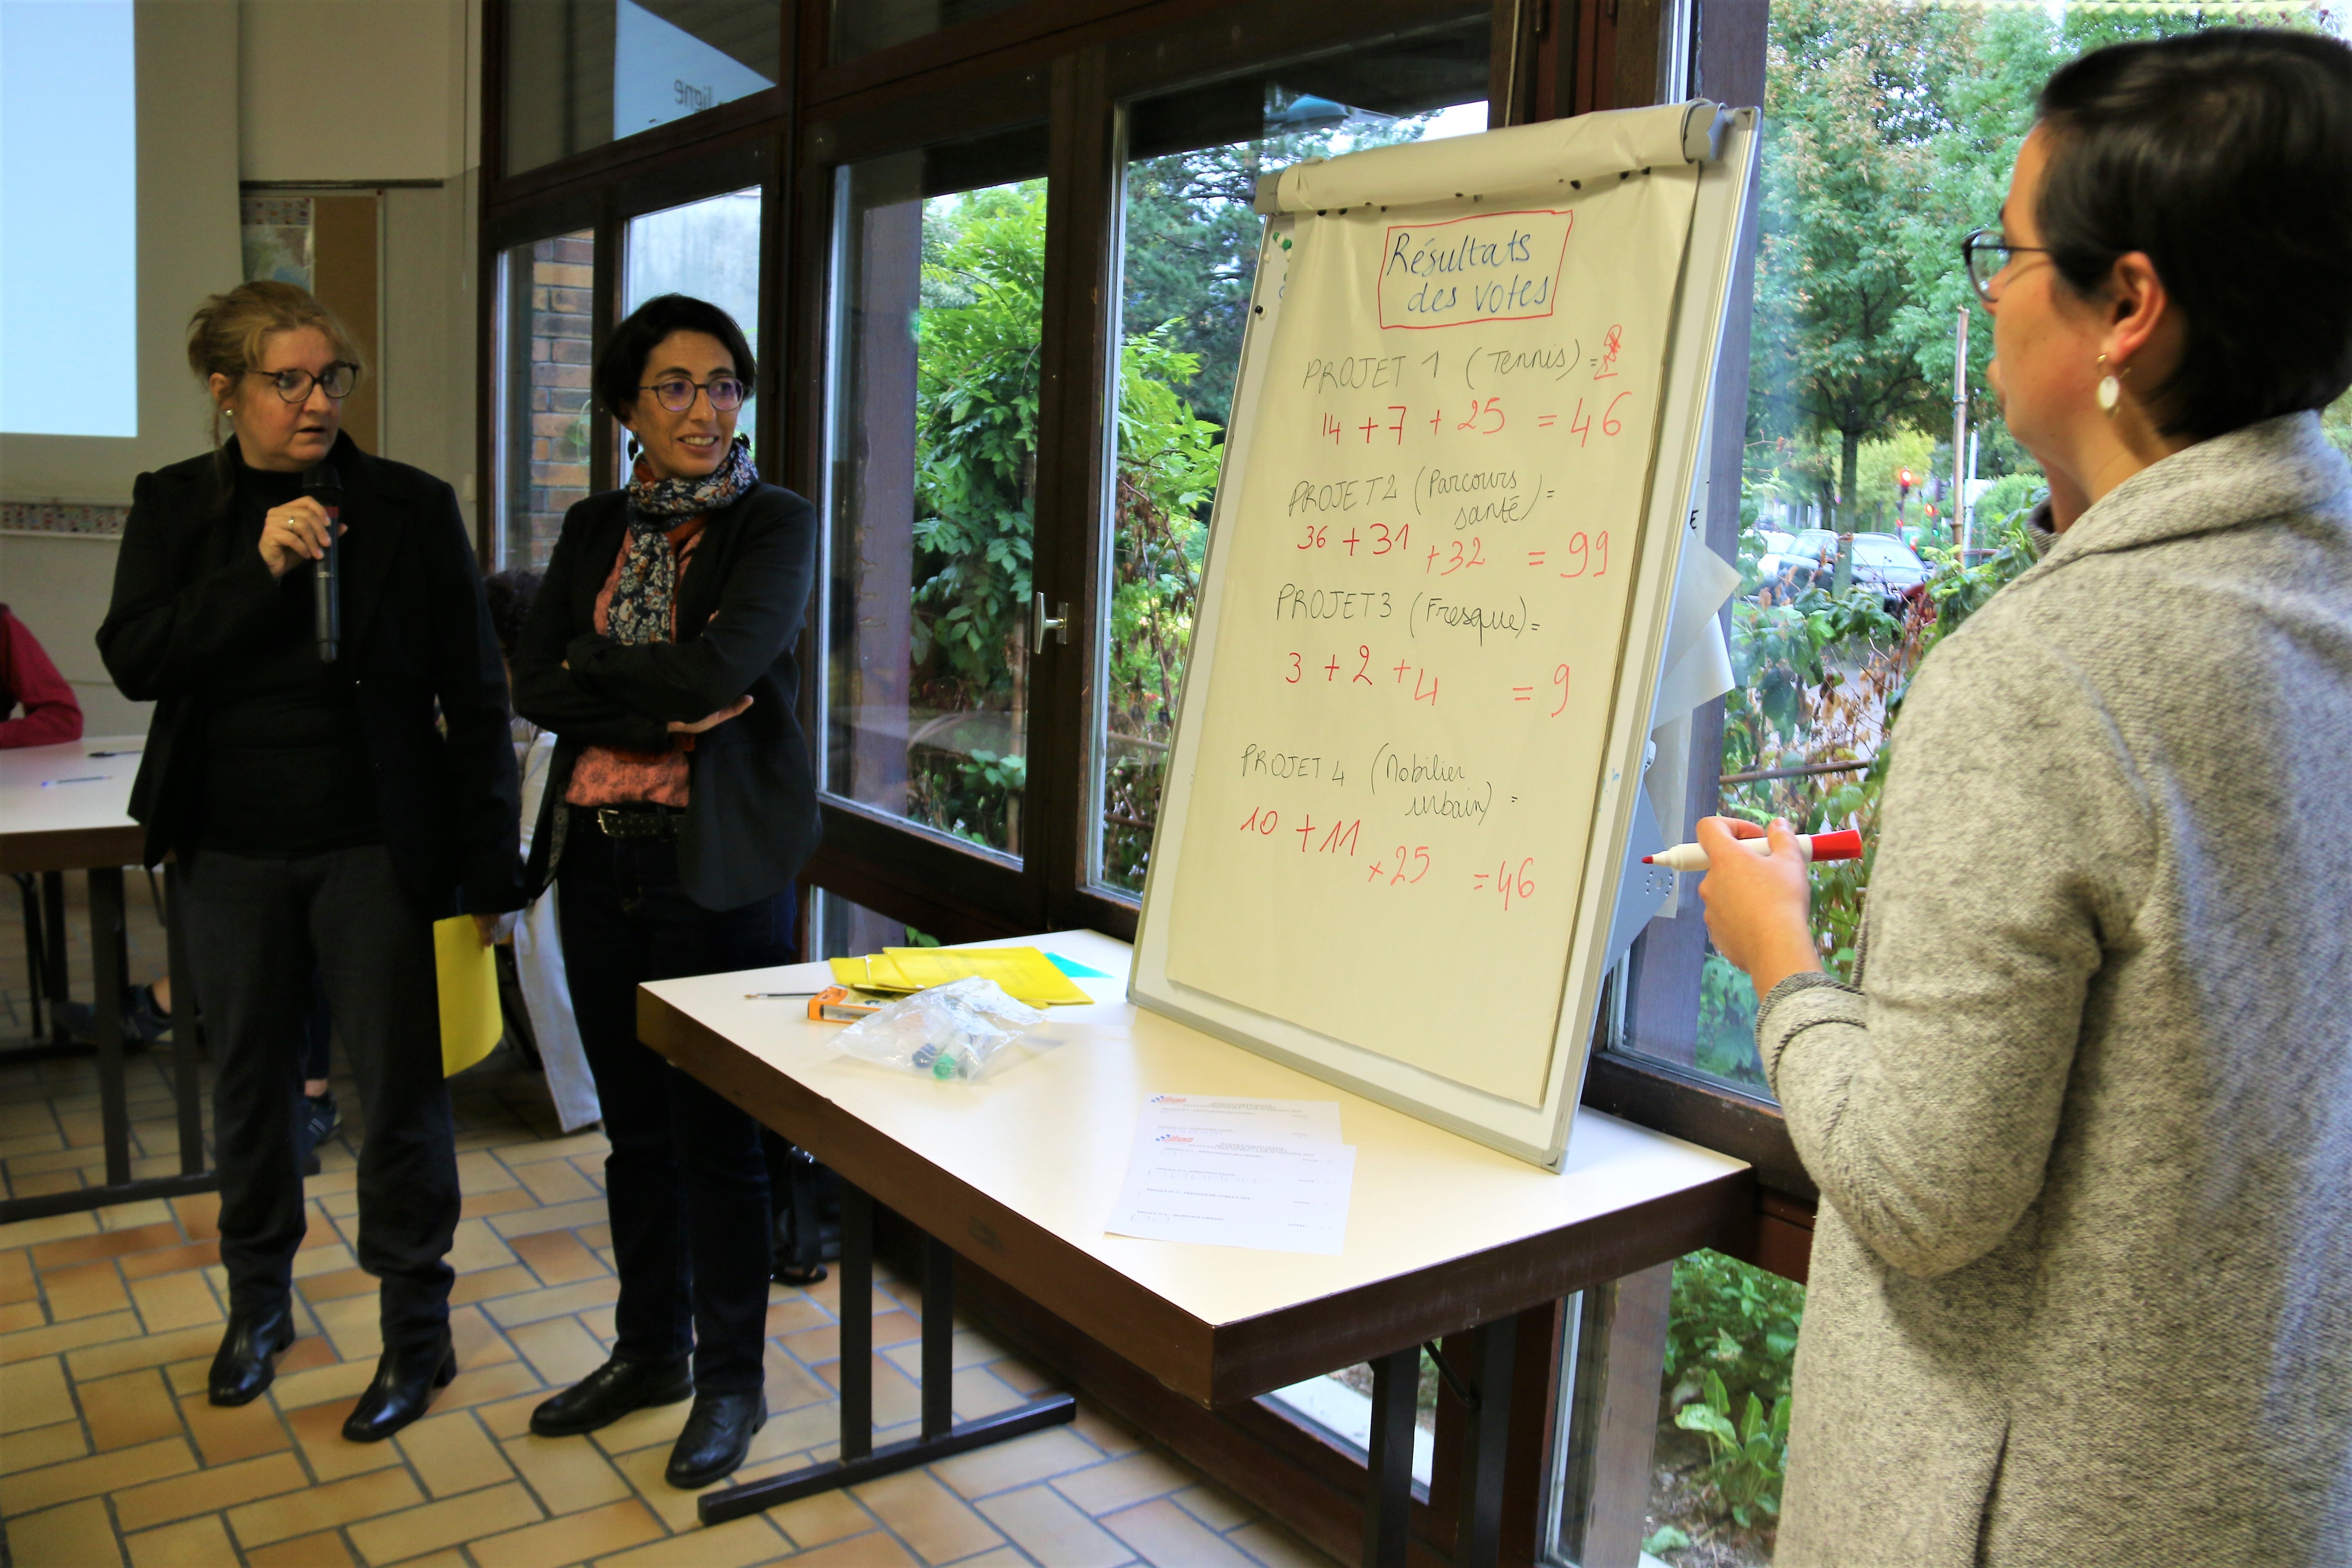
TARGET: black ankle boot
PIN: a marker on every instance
(611, 1392)
(242, 1368)
(718, 1433)
(405, 1381)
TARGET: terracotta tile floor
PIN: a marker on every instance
(110, 1454)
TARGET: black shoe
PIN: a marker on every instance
(405, 1381)
(320, 1118)
(242, 1369)
(611, 1392)
(718, 1435)
(143, 1021)
(145, 1016)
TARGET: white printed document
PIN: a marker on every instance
(1238, 1185)
(1210, 1115)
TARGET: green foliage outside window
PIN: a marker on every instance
(1168, 463)
(977, 383)
(1821, 680)
(1890, 131)
(976, 371)
(1731, 1345)
(1189, 267)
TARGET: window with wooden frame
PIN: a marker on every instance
(992, 773)
(562, 263)
(975, 222)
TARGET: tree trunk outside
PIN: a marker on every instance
(1849, 459)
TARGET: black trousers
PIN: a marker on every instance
(687, 1182)
(257, 931)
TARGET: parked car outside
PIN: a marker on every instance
(1881, 561)
(1886, 564)
(1792, 568)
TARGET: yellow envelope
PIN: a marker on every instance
(1025, 974)
(471, 1023)
(875, 971)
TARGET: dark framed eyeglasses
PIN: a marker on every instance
(1987, 254)
(677, 393)
(294, 385)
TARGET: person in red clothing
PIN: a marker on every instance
(29, 680)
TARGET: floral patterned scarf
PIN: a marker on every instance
(645, 597)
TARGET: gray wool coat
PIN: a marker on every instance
(2082, 1284)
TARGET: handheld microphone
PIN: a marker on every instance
(323, 485)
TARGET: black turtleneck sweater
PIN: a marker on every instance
(287, 770)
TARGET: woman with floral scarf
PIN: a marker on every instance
(679, 807)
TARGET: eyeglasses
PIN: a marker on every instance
(294, 385)
(1986, 255)
(677, 393)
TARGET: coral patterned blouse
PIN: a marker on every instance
(608, 776)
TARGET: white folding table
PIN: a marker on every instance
(1017, 1174)
(68, 808)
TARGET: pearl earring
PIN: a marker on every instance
(2111, 390)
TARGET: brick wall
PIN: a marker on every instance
(559, 335)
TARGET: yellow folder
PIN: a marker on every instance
(1024, 973)
(471, 1023)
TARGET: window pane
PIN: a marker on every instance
(937, 314)
(861, 26)
(1889, 132)
(580, 73)
(842, 928)
(1338, 1407)
(1189, 263)
(1731, 1337)
(545, 352)
(710, 250)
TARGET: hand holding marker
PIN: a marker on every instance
(1844, 846)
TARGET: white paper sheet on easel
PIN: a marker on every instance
(1272, 1195)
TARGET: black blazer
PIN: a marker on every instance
(751, 817)
(189, 595)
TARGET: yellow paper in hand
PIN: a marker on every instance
(471, 1023)
(1024, 973)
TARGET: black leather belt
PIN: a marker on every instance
(648, 821)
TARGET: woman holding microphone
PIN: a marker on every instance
(2082, 1279)
(679, 807)
(325, 811)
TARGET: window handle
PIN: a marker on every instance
(1058, 623)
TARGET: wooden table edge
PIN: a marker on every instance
(73, 848)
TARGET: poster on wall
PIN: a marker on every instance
(277, 232)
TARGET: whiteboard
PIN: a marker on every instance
(1462, 489)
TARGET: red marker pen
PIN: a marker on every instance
(1842, 846)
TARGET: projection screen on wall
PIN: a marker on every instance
(69, 218)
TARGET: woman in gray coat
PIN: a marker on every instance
(2082, 1284)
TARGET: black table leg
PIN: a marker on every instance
(856, 1307)
(939, 1337)
(53, 923)
(36, 963)
(943, 1437)
(108, 977)
(187, 1034)
(1388, 1498)
(111, 977)
(1478, 1530)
